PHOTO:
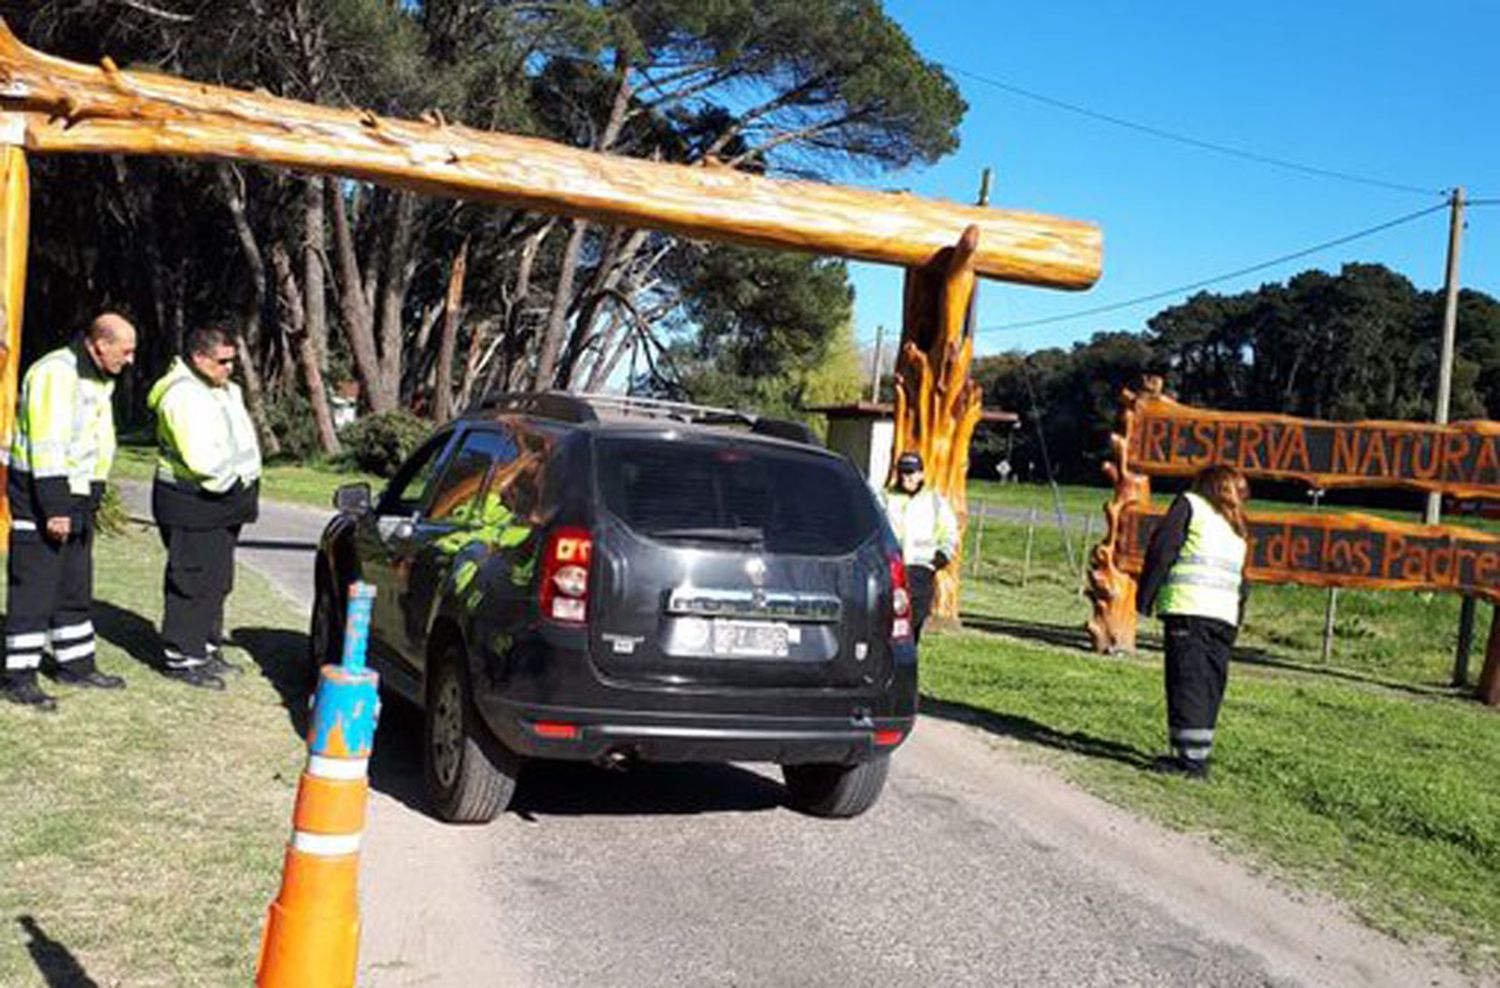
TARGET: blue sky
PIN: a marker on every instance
(1401, 91)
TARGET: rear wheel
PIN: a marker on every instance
(836, 790)
(470, 777)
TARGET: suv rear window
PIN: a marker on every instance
(788, 502)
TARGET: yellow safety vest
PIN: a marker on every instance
(65, 425)
(204, 436)
(923, 523)
(1205, 579)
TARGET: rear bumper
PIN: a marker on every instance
(583, 734)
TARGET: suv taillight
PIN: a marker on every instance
(900, 599)
(565, 576)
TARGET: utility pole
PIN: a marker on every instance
(875, 372)
(1450, 329)
(984, 200)
(1444, 395)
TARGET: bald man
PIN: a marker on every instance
(59, 460)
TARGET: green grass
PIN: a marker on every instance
(1397, 636)
(311, 484)
(1368, 777)
(143, 830)
(1385, 799)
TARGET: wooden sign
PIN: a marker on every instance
(1351, 550)
(1172, 440)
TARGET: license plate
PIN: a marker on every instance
(753, 639)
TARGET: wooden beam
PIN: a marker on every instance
(68, 107)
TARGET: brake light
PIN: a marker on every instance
(564, 591)
(885, 739)
(900, 599)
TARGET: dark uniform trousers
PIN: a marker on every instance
(49, 597)
(200, 575)
(1197, 670)
(921, 583)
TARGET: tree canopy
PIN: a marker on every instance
(336, 285)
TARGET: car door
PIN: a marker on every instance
(384, 536)
(451, 535)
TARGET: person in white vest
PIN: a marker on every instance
(1194, 578)
(927, 530)
(207, 486)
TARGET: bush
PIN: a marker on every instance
(291, 419)
(380, 443)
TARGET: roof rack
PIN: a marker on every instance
(566, 406)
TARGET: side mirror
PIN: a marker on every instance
(352, 499)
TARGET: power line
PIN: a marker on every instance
(1204, 145)
(1154, 296)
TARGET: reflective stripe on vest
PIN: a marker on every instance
(1205, 579)
(72, 432)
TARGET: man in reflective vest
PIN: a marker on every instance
(927, 530)
(60, 457)
(207, 486)
(1194, 577)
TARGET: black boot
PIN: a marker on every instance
(86, 675)
(220, 666)
(197, 674)
(1191, 768)
(21, 688)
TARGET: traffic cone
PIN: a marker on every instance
(311, 937)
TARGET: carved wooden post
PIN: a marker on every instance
(15, 211)
(937, 405)
(1113, 625)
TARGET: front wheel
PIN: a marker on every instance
(838, 791)
(470, 777)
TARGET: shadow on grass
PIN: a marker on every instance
(396, 764)
(58, 967)
(1032, 732)
(129, 632)
(1076, 638)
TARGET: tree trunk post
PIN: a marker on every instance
(15, 216)
(1112, 628)
(442, 399)
(937, 404)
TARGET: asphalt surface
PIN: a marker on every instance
(976, 868)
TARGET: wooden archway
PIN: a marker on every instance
(50, 105)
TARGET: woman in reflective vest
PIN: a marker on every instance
(1194, 578)
(926, 528)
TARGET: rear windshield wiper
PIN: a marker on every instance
(738, 536)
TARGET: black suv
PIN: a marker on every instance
(608, 579)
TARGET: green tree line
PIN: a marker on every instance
(338, 286)
(1359, 344)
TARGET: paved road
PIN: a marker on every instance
(975, 869)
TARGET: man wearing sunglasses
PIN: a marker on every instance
(207, 486)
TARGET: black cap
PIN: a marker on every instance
(909, 463)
